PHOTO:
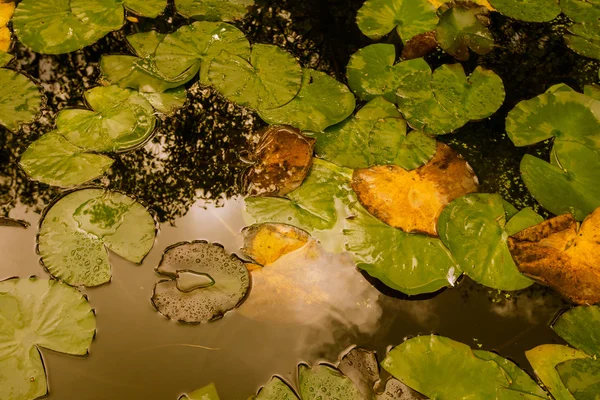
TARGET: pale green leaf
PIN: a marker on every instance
(20, 99)
(146, 8)
(214, 10)
(208, 392)
(276, 389)
(323, 382)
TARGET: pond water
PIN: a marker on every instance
(188, 174)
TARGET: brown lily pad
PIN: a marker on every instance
(420, 46)
(281, 161)
(561, 256)
(413, 200)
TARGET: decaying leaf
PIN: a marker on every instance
(17, 223)
(282, 160)
(413, 200)
(420, 46)
(266, 243)
(559, 255)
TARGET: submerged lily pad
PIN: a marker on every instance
(193, 47)
(528, 10)
(281, 161)
(377, 18)
(376, 135)
(559, 255)
(276, 389)
(208, 392)
(321, 102)
(80, 226)
(214, 10)
(461, 29)
(413, 200)
(269, 79)
(323, 382)
(38, 313)
(476, 228)
(205, 283)
(20, 99)
(412, 264)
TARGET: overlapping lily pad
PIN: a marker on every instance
(38, 313)
(147, 8)
(270, 78)
(465, 28)
(79, 227)
(528, 10)
(377, 18)
(376, 135)
(326, 383)
(205, 282)
(476, 228)
(276, 389)
(321, 102)
(568, 183)
(20, 99)
(193, 47)
(214, 10)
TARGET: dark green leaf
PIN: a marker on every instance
(461, 29)
(580, 327)
(581, 377)
(528, 10)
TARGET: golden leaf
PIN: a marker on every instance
(4, 39)
(6, 12)
(266, 243)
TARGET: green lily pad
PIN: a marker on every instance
(205, 282)
(39, 313)
(76, 231)
(270, 79)
(461, 29)
(377, 18)
(528, 10)
(581, 10)
(376, 135)
(321, 102)
(581, 377)
(446, 100)
(193, 47)
(580, 327)
(592, 91)
(208, 392)
(20, 99)
(146, 8)
(412, 264)
(323, 382)
(62, 26)
(544, 359)
(214, 10)
(5, 58)
(276, 389)
(584, 39)
(475, 229)
(437, 366)
(167, 102)
(52, 159)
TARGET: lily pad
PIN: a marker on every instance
(167, 102)
(581, 10)
(581, 377)
(270, 79)
(580, 327)
(146, 8)
(584, 39)
(38, 313)
(412, 264)
(476, 231)
(377, 18)
(80, 226)
(321, 102)
(528, 10)
(559, 255)
(63, 26)
(544, 359)
(323, 382)
(376, 135)
(276, 389)
(5, 58)
(214, 10)
(281, 161)
(208, 392)
(193, 47)
(205, 282)
(461, 29)
(20, 99)
(267, 243)
(413, 200)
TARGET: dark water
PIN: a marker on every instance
(188, 175)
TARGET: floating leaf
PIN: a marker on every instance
(5, 58)
(584, 39)
(321, 102)
(528, 10)
(205, 283)
(20, 99)
(214, 10)
(208, 392)
(271, 78)
(461, 29)
(446, 100)
(476, 231)
(281, 161)
(558, 255)
(592, 91)
(193, 47)
(376, 135)
(62, 26)
(167, 102)
(581, 10)
(77, 229)
(376, 18)
(266, 243)
(581, 377)
(420, 46)
(544, 359)
(146, 8)
(412, 264)
(413, 200)
(38, 313)
(276, 389)
(323, 382)
(580, 327)
(485, 3)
